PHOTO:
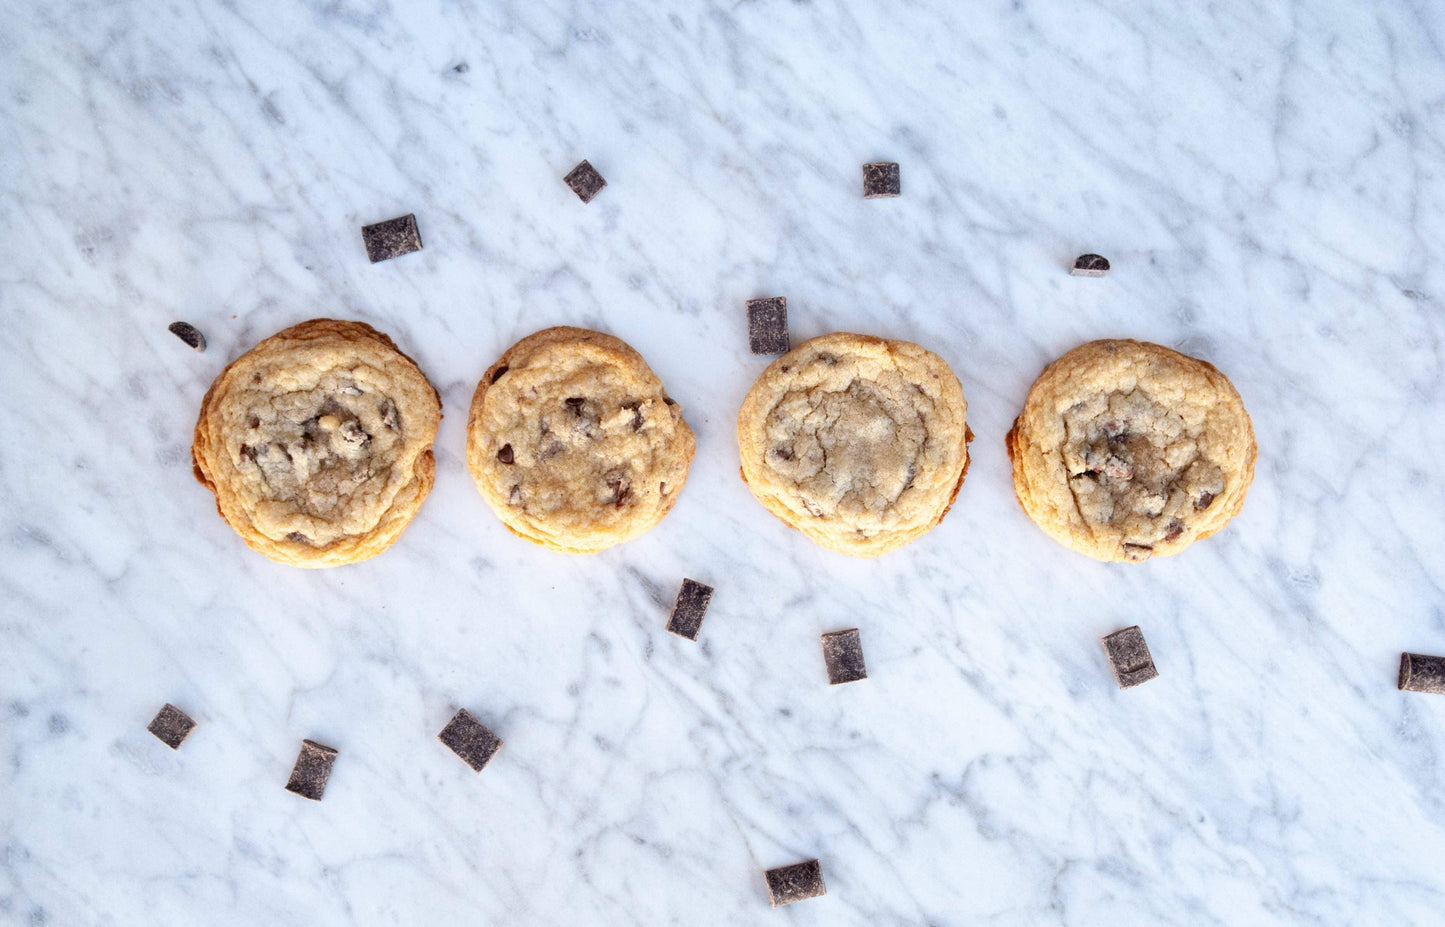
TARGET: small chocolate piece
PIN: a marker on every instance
(392, 238)
(768, 325)
(172, 726)
(189, 334)
(843, 653)
(1130, 658)
(1421, 673)
(1090, 265)
(469, 739)
(881, 179)
(689, 609)
(798, 882)
(312, 769)
(585, 181)
(505, 454)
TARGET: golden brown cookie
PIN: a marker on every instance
(858, 442)
(317, 443)
(1127, 450)
(574, 443)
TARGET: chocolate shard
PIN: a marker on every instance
(798, 882)
(843, 654)
(312, 769)
(585, 181)
(171, 726)
(1129, 656)
(470, 739)
(1421, 673)
(1090, 265)
(392, 238)
(768, 325)
(689, 609)
(880, 179)
(189, 334)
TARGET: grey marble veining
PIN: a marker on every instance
(1269, 183)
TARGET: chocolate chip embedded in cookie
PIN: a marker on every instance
(1127, 450)
(574, 443)
(317, 443)
(858, 442)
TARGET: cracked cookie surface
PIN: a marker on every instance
(317, 443)
(1127, 450)
(574, 443)
(858, 442)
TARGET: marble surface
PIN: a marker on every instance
(1267, 179)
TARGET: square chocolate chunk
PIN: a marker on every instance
(843, 652)
(171, 725)
(689, 609)
(1421, 673)
(1090, 265)
(470, 739)
(798, 882)
(768, 325)
(881, 179)
(392, 238)
(1130, 658)
(312, 769)
(585, 181)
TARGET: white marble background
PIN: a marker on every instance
(1268, 179)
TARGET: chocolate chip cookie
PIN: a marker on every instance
(858, 442)
(317, 443)
(1127, 450)
(574, 443)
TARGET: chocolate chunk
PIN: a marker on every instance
(689, 609)
(621, 488)
(469, 739)
(1137, 552)
(1204, 501)
(768, 325)
(575, 404)
(636, 409)
(1176, 528)
(392, 238)
(388, 414)
(312, 769)
(1090, 265)
(505, 454)
(1421, 673)
(843, 654)
(798, 882)
(1129, 656)
(585, 181)
(881, 179)
(172, 726)
(189, 334)
(296, 537)
(497, 374)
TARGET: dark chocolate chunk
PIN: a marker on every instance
(505, 454)
(1129, 656)
(798, 882)
(843, 653)
(312, 769)
(469, 739)
(1090, 265)
(1421, 673)
(392, 238)
(1137, 552)
(689, 609)
(881, 179)
(768, 325)
(585, 181)
(497, 375)
(1204, 501)
(189, 334)
(172, 726)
